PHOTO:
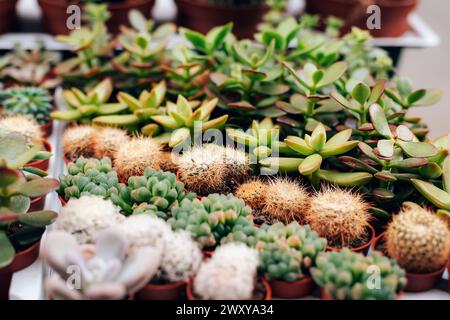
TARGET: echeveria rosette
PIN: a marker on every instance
(16, 193)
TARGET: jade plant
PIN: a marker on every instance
(156, 191)
(31, 101)
(19, 228)
(347, 275)
(211, 218)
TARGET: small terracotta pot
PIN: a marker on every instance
(420, 282)
(41, 164)
(21, 261)
(190, 294)
(202, 16)
(7, 15)
(47, 128)
(170, 291)
(362, 249)
(292, 290)
(325, 296)
(55, 15)
(37, 204)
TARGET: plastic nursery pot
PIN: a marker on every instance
(326, 296)
(47, 128)
(7, 15)
(169, 291)
(292, 290)
(267, 288)
(21, 261)
(192, 14)
(394, 14)
(38, 203)
(41, 164)
(362, 249)
(416, 282)
(55, 13)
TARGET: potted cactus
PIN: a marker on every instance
(245, 15)
(230, 274)
(21, 229)
(347, 275)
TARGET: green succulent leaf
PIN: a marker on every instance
(417, 149)
(379, 120)
(38, 219)
(7, 253)
(286, 165)
(438, 197)
(332, 74)
(345, 179)
(35, 188)
(310, 164)
(299, 145)
(361, 92)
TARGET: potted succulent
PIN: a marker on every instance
(230, 274)
(21, 230)
(55, 12)
(394, 14)
(245, 15)
(7, 15)
(346, 275)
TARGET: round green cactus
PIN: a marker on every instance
(89, 177)
(347, 275)
(212, 218)
(155, 191)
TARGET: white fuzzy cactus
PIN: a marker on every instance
(181, 257)
(86, 216)
(230, 274)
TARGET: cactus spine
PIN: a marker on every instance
(79, 141)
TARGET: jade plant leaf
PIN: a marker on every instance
(438, 197)
(379, 120)
(285, 165)
(38, 218)
(7, 251)
(8, 177)
(345, 179)
(310, 164)
(35, 188)
(417, 149)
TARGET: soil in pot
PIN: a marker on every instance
(262, 291)
(162, 290)
(362, 245)
(55, 16)
(41, 164)
(8, 15)
(292, 289)
(202, 16)
(22, 260)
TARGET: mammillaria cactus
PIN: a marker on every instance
(109, 270)
(85, 216)
(340, 216)
(230, 274)
(285, 201)
(347, 275)
(79, 141)
(19, 228)
(136, 155)
(108, 141)
(157, 189)
(211, 218)
(24, 125)
(253, 193)
(211, 168)
(169, 161)
(418, 240)
(89, 177)
(31, 101)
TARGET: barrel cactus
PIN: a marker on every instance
(79, 141)
(253, 193)
(158, 190)
(108, 140)
(418, 240)
(24, 125)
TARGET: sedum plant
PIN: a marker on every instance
(110, 269)
(19, 228)
(211, 218)
(31, 101)
(346, 275)
(155, 191)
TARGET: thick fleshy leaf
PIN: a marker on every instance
(184, 107)
(179, 136)
(8, 177)
(379, 120)
(310, 164)
(385, 148)
(66, 115)
(197, 39)
(383, 194)
(332, 73)
(38, 219)
(328, 106)
(242, 105)
(215, 123)
(216, 36)
(339, 138)
(166, 121)
(241, 137)
(377, 91)
(361, 92)
(123, 120)
(335, 150)
(417, 149)
(357, 164)
(7, 252)
(416, 96)
(345, 179)
(37, 187)
(111, 108)
(408, 163)
(207, 108)
(379, 213)
(403, 133)
(446, 174)
(368, 151)
(318, 137)
(341, 100)
(299, 145)
(385, 176)
(129, 100)
(284, 165)
(438, 197)
(430, 171)
(102, 90)
(431, 97)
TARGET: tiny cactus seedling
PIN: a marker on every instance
(211, 168)
(133, 157)
(285, 201)
(108, 141)
(24, 125)
(254, 193)
(345, 275)
(79, 141)
(340, 216)
(418, 240)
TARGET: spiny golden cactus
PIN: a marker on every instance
(418, 240)
(107, 141)
(213, 169)
(169, 161)
(79, 141)
(285, 201)
(339, 215)
(23, 125)
(253, 192)
(134, 156)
